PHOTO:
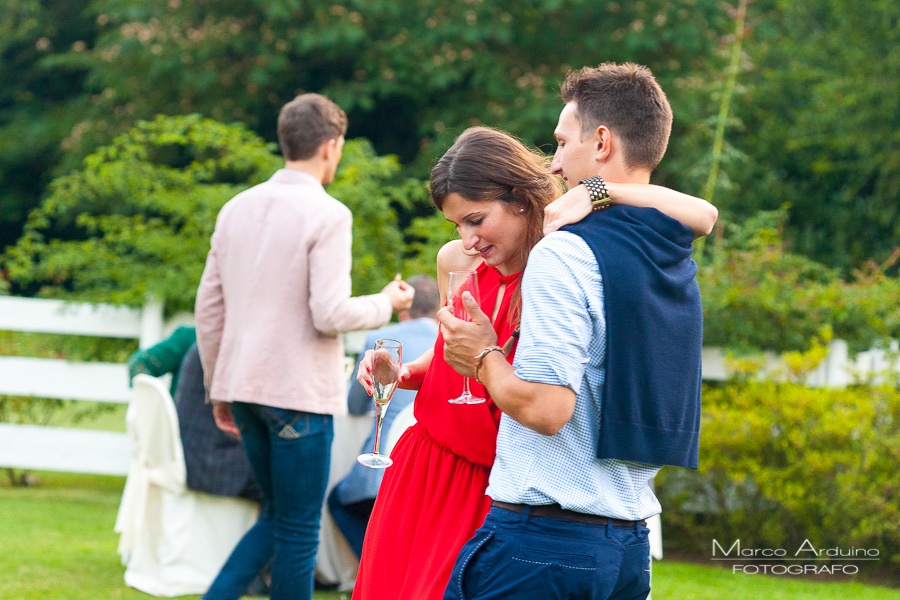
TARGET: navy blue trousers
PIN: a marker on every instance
(520, 557)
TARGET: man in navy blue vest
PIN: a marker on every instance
(605, 386)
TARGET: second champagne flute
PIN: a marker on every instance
(463, 281)
(386, 362)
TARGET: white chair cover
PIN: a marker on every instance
(172, 541)
(336, 564)
(404, 420)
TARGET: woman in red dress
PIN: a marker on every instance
(432, 499)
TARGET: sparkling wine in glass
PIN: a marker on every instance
(463, 281)
(386, 363)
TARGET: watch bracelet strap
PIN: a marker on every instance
(598, 193)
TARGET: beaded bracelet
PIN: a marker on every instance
(597, 190)
(480, 358)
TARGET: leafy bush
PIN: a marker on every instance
(370, 186)
(138, 216)
(781, 463)
(759, 296)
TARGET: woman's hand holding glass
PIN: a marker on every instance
(463, 283)
(364, 373)
(386, 365)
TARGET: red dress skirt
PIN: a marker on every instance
(432, 498)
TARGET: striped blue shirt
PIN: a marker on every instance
(563, 342)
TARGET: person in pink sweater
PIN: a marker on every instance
(272, 302)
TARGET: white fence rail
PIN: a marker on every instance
(105, 320)
(90, 451)
(62, 448)
(839, 369)
(63, 379)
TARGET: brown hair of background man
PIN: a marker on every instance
(306, 122)
(427, 300)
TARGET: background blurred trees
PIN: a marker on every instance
(411, 75)
(137, 217)
(821, 126)
(758, 295)
(42, 98)
(814, 124)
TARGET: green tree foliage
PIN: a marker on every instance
(41, 98)
(371, 187)
(411, 75)
(758, 295)
(813, 120)
(821, 126)
(136, 219)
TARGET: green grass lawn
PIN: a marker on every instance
(57, 542)
(682, 581)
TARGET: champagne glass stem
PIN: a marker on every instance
(380, 409)
(466, 390)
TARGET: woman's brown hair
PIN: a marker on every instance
(488, 164)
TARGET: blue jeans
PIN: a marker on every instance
(519, 557)
(290, 455)
(351, 519)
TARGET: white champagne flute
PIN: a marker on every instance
(386, 362)
(463, 281)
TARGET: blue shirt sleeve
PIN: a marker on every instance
(557, 322)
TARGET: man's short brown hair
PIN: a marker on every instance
(427, 300)
(306, 122)
(627, 99)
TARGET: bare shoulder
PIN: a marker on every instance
(452, 257)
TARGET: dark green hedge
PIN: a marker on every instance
(781, 463)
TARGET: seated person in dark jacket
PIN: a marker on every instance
(352, 499)
(215, 462)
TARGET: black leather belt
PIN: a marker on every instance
(555, 511)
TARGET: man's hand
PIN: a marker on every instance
(569, 208)
(400, 293)
(224, 420)
(464, 340)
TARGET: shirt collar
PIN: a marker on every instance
(295, 176)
